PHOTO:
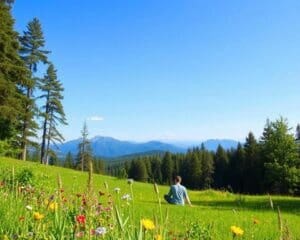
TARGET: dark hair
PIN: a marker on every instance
(178, 179)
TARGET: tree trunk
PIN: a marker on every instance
(25, 126)
(43, 141)
(48, 139)
(43, 160)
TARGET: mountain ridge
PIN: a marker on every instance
(109, 147)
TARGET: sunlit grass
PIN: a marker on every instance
(214, 210)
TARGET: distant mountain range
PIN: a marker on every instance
(109, 147)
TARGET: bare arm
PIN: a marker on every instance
(187, 199)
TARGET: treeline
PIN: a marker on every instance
(30, 101)
(270, 164)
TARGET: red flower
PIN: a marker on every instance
(81, 219)
(61, 190)
(79, 234)
(101, 193)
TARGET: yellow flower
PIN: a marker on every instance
(148, 224)
(46, 202)
(158, 237)
(5, 237)
(53, 206)
(237, 231)
(38, 216)
(255, 221)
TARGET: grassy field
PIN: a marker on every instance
(211, 217)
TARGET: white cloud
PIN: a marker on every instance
(95, 118)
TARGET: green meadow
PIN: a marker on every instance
(211, 217)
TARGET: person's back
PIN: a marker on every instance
(177, 194)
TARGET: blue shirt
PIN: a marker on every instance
(178, 194)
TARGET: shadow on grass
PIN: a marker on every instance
(286, 205)
(291, 206)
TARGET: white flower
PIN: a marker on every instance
(130, 181)
(100, 231)
(117, 190)
(28, 207)
(126, 197)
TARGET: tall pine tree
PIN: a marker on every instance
(52, 111)
(13, 75)
(167, 168)
(32, 52)
(253, 166)
(221, 162)
(84, 155)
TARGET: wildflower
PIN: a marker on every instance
(81, 219)
(100, 231)
(148, 224)
(53, 206)
(255, 221)
(79, 234)
(130, 181)
(107, 209)
(21, 218)
(28, 207)
(5, 237)
(38, 216)
(236, 231)
(158, 237)
(101, 193)
(62, 190)
(78, 195)
(117, 190)
(46, 202)
(126, 197)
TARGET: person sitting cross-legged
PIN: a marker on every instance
(177, 194)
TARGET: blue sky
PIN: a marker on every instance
(174, 69)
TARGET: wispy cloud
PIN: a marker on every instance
(95, 118)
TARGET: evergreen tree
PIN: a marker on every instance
(99, 165)
(53, 160)
(84, 150)
(69, 162)
(13, 75)
(156, 170)
(195, 173)
(298, 133)
(281, 156)
(32, 52)
(236, 169)
(221, 168)
(167, 168)
(138, 170)
(207, 164)
(52, 112)
(253, 166)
